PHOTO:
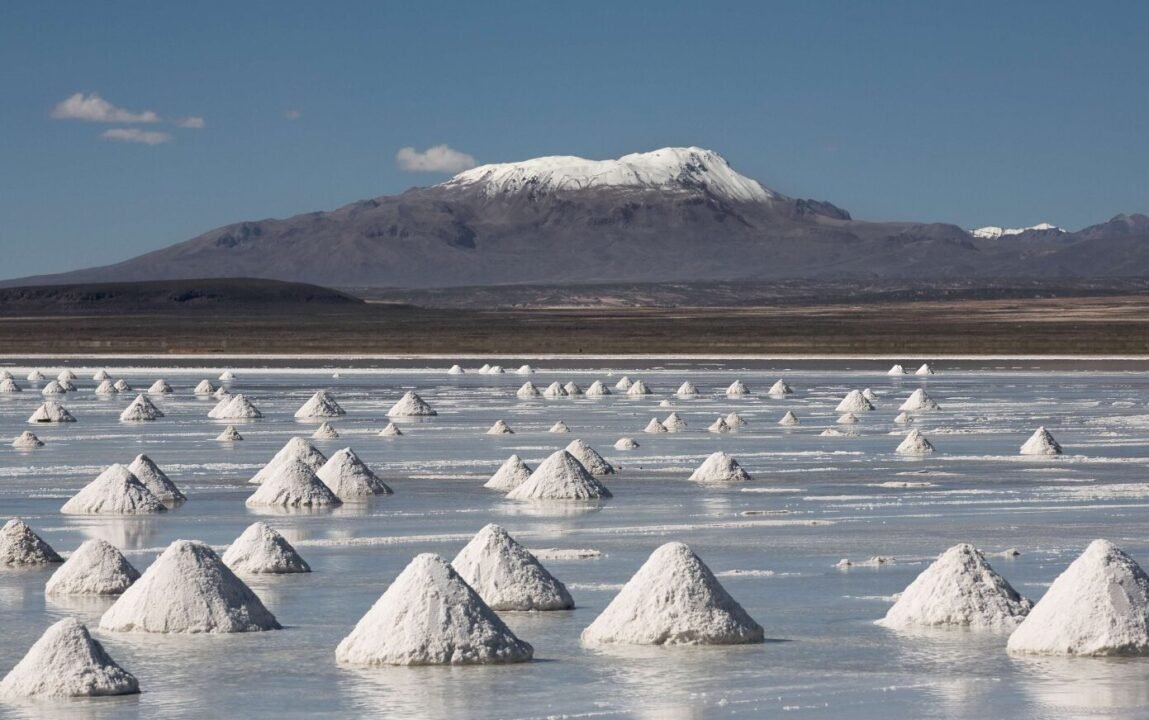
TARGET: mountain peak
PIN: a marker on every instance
(672, 169)
(993, 232)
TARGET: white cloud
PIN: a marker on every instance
(292, 114)
(439, 158)
(93, 108)
(190, 122)
(135, 135)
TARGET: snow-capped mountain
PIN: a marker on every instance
(669, 169)
(993, 232)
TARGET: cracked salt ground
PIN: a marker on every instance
(780, 567)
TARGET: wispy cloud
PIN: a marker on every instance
(438, 158)
(135, 135)
(190, 122)
(93, 108)
(292, 114)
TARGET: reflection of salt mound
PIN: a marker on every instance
(204, 388)
(455, 370)
(959, 589)
(686, 389)
(296, 448)
(26, 440)
(392, 430)
(918, 401)
(789, 419)
(594, 463)
(674, 422)
(20, 546)
(848, 419)
(95, 568)
(914, 444)
(430, 616)
(229, 434)
(500, 428)
(35, 376)
(122, 386)
(234, 407)
(411, 405)
(555, 390)
(53, 388)
(719, 468)
(655, 426)
(528, 390)
(779, 388)
(115, 491)
(896, 370)
(188, 589)
(854, 402)
(625, 443)
(597, 389)
(349, 477)
(560, 477)
(319, 405)
(8, 385)
(160, 387)
(624, 383)
(325, 431)
(637, 389)
(734, 420)
(925, 369)
(1098, 606)
(559, 427)
(156, 480)
(572, 389)
(673, 599)
(903, 418)
(261, 550)
(736, 389)
(106, 387)
(292, 484)
(1041, 443)
(67, 662)
(512, 473)
(141, 409)
(719, 426)
(507, 576)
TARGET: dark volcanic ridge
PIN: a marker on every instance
(679, 215)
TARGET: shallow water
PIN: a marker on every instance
(774, 542)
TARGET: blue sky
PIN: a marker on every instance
(974, 113)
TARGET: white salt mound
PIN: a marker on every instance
(95, 568)
(20, 546)
(485, 369)
(35, 377)
(234, 407)
(779, 388)
(455, 370)
(115, 491)
(555, 390)
(66, 376)
(637, 388)
(1098, 606)
(848, 419)
(719, 468)
(512, 473)
(430, 616)
(665, 403)
(914, 444)
(411, 405)
(869, 395)
(27, 440)
(559, 427)
(6, 375)
(959, 589)
(495, 370)
(141, 409)
(572, 389)
(229, 434)
(1041, 443)
(624, 383)
(525, 370)
(686, 389)
(349, 477)
(8, 385)
(392, 430)
(325, 431)
(719, 426)
(896, 370)
(68, 386)
(528, 390)
(156, 480)
(221, 392)
(319, 405)
(594, 463)
(832, 432)
(53, 388)
(597, 389)
(734, 420)
(625, 443)
(122, 386)
(673, 599)
(67, 662)
(674, 423)
(507, 576)
(789, 419)
(204, 388)
(106, 387)
(560, 477)
(655, 426)
(296, 448)
(188, 589)
(903, 418)
(160, 387)
(500, 428)
(918, 401)
(925, 369)
(226, 376)
(736, 389)
(261, 550)
(292, 484)
(854, 402)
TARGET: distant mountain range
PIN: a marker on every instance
(671, 215)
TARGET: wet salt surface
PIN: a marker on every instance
(774, 542)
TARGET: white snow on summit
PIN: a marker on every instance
(993, 232)
(688, 168)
